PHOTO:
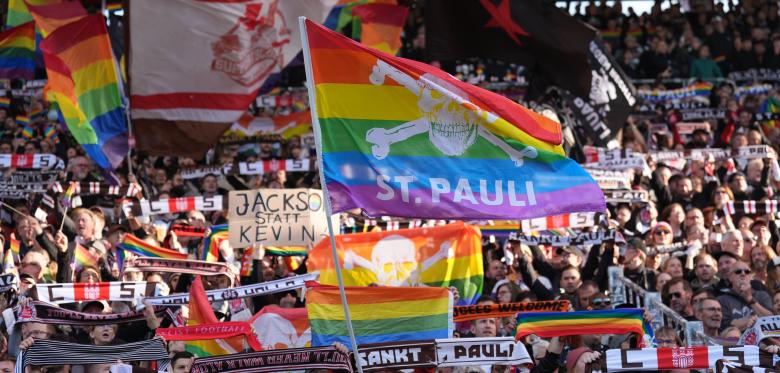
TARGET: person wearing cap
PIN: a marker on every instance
(741, 303)
(634, 267)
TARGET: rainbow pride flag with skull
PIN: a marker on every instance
(403, 138)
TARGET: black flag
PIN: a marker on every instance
(556, 47)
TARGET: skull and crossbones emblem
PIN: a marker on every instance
(451, 127)
(394, 260)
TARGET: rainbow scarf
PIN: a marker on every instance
(559, 324)
(17, 52)
(379, 314)
(139, 247)
(286, 250)
(494, 158)
(210, 251)
(202, 313)
(83, 80)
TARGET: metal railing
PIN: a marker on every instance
(623, 290)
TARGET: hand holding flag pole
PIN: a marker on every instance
(66, 201)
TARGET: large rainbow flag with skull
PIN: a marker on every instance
(403, 138)
(449, 255)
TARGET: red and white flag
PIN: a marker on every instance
(198, 69)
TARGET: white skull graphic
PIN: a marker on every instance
(394, 261)
(453, 128)
(602, 91)
(276, 332)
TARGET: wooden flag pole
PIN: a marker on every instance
(326, 196)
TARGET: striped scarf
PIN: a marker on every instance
(47, 352)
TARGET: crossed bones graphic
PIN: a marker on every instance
(451, 127)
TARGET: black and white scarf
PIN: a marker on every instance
(47, 352)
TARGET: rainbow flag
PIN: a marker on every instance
(449, 255)
(770, 105)
(53, 15)
(8, 263)
(28, 132)
(67, 197)
(14, 246)
(84, 258)
(202, 313)
(246, 262)
(610, 35)
(22, 120)
(286, 250)
(210, 251)
(559, 324)
(83, 80)
(17, 52)
(5, 102)
(380, 26)
(139, 247)
(379, 314)
(494, 158)
(50, 132)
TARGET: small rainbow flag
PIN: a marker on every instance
(84, 258)
(559, 324)
(28, 132)
(139, 247)
(17, 52)
(246, 262)
(22, 120)
(211, 244)
(286, 250)
(379, 314)
(67, 197)
(8, 263)
(5, 102)
(50, 132)
(770, 105)
(14, 246)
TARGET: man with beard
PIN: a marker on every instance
(741, 303)
(705, 272)
(710, 313)
(677, 295)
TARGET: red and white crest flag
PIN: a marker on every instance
(198, 69)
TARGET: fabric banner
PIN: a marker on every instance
(8, 281)
(762, 116)
(764, 327)
(725, 366)
(762, 74)
(611, 179)
(50, 352)
(172, 205)
(660, 95)
(397, 355)
(80, 292)
(651, 107)
(581, 239)
(280, 328)
(476, 312)
(666, 249)
(37, 161)
(219, 330)
(276, 217)
(44, 313)
(751, 207)
(697, 357)
(199, 172)
(449, 255)
(575, 220)
(254, 290)
(701, 114)
(262, 167)
(193, 267)
(691, 154)
(378, 157)
(287, 360)
(560, 324)
(241, 46)
(619, 164)
(284, 126)
(481, 351)
(97, 188)
(376, 313)
(627, 196)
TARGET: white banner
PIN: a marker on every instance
(480, 351)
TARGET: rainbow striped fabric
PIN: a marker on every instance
(84, 82)
(139, 247)
(558, 324)
(210, 251)
(22, 120)
(84, 258)
(5, 102)
(379, 314)
(202, 313)
(8, 263)
(67, 197)
(17, 52)
(770, 105)
(286, 250)
(380, 25)
(53, 15)
(493, 158)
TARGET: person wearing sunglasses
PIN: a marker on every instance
(677, 295)
(742, 304)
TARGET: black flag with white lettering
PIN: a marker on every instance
(603, 112)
